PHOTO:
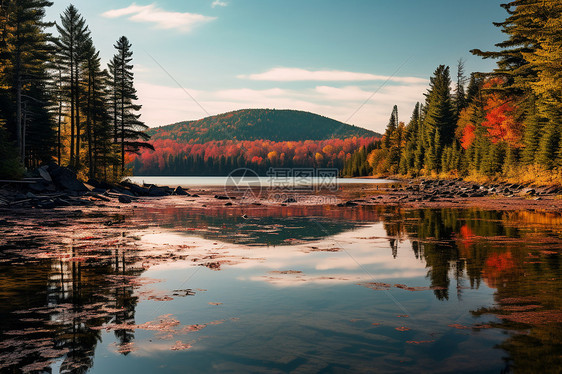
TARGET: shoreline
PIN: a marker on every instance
(409, 194)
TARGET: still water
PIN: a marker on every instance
(171, 289)
(194, 181)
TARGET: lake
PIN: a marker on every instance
(171, 289)
(198, 181)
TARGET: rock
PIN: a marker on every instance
(39, 186)
(156, 191)
(351, 203)
(220, 197)
(530, 192)
(43, 173)
(125, 199)
(46, 204)
(19, 196)
(122, 191)
(194, 195)
(228, 204)
(135, 188)
(102, 185)
(66, 179)
(30, 195)
(180, 191)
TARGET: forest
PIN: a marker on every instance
(504, 124)
(253, 138)
(220, 157)
(57, 102)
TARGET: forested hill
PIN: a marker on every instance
(255, 124)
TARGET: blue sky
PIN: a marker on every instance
(327, 57)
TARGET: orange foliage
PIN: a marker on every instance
(254, 151)
(500, 121)
(465, 127)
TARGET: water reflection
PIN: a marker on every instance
(59, 292)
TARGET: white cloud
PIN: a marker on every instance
(217, 3)
(162, 19)
(282, 74)
(164, 105)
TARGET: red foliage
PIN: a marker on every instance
(253, 151)
(500, 121)
(468, 135)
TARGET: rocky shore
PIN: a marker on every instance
(54, 186)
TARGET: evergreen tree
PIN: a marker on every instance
(72, 46)
(392, 125)
(439, 124)
(128, 128)
(411, 138)
(460, 101)
(25, 54)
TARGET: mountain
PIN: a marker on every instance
(255, 124)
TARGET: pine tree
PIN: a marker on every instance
(460, 101)
(98, 123)
(439, 124)
(72, 45)
(128, 129)
(391, 127)
(26, 52)
(411, 138)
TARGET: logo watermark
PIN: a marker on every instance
(284, 185)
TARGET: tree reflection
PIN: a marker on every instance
(53, 308)
(48, 307)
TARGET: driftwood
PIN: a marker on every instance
(18, 181)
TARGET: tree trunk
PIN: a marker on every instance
(19, 117)
(59, 145)
(72, 104)
(77, 93)
(89, 127)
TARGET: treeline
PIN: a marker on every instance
(221, 157)
(57, 102)
(505, 124)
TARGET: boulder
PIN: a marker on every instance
(125, 199)
(44, 173)
(40, 186)
(135, 188)
(66, 179)
(157, 191)
(180, 191)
